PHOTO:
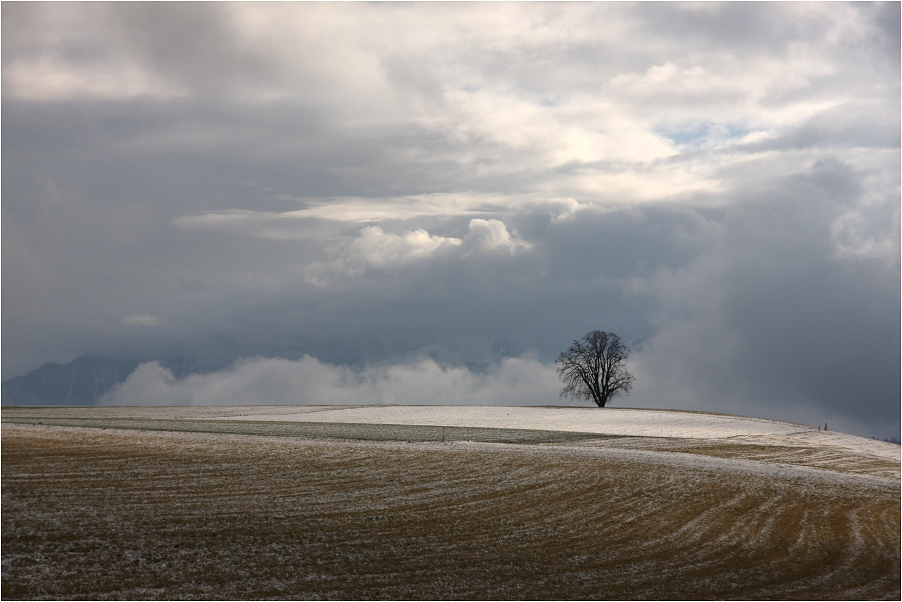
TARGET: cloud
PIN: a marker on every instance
(781, 318)
(320, 212)
(270, 381)
(376, 249)
(142, 320)
(369, 184)
(492, 235)
(856, 236)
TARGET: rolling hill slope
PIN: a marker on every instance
(317, 503)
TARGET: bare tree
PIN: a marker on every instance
(594, 367)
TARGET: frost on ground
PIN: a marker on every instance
(112, 514)
(609, 421)
(717, 435)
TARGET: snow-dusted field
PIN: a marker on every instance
(140, 514)
(424, 502)
(606, 421)
(609, 421)
(669, 424)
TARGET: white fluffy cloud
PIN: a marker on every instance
(379, 249)
(375, 248)
(268, 381)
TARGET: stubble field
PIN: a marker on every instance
(109, 514)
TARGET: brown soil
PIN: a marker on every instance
(104, 514)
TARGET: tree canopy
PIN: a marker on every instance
(594, 367)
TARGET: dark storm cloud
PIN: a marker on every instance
(407, 189)
(775, 320)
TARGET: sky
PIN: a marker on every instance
(427, 203)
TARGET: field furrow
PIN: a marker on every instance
(103, 514)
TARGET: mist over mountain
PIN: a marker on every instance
(82, 382)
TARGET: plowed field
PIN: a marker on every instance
(89, 513)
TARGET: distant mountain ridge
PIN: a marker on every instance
(81, 382)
